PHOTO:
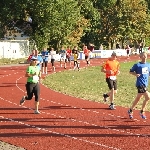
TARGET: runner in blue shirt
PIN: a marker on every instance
(141, 70)
(39, 59)
(62, 54)
(45, 55)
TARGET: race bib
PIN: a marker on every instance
(35, 79)
(145, 70)
(43, 57)
(112, 77)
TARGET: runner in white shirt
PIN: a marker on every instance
(53, 55)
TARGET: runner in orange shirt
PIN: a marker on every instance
(111, 69)
(87, 56)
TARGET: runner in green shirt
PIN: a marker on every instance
(33, 75)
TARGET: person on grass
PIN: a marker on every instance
(141, 71)
(32, 86)
(111, 69)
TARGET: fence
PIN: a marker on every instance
(15, 48)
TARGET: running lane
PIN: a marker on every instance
(65, 122)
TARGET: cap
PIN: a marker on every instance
(33, 58)
(113, 54)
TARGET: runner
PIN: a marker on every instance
(111, 69)
(62, 57)
(75, 57)
(32, 87)
(86, 52)
(45, 55)
(68, 56)
(52, 54)
(29, 58)
(141, 71)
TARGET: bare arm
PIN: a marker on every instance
(134, 73)
(29, 75)
(106, 71)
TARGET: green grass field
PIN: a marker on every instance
(7, 61)
(89, 84)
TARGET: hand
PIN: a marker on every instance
(118, 72)
(35, 74)
(137, 75)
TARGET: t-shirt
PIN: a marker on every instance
(68, 52)
(86, 52)
(62, 53)
(45, 55)
(29, 58)
(144, 70)
(75, 56)
(39, 61)
(32, 70)
(111, 65)
(53, 54)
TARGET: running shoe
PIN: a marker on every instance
(36, 112)
(142, 115)
(105, 97)
(130, 114)
(22, 100)
(112, 107)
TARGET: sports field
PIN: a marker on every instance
(69, 122)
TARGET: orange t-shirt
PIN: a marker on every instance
(86, 52)
(111, 65)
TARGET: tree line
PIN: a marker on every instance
(74, 22)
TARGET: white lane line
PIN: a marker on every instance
(61, 134)
(74, 120)
(81, 121)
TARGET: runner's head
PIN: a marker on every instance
(113, 56)
(33, 61)
(143, 57)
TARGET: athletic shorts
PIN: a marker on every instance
(141, 89)
(111, 83)
(86, 57)
(68, 59)
(44, 64)
(52, 61)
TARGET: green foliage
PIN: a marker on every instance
(63, 22)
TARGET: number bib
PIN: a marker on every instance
(35, 79)
(112, 77)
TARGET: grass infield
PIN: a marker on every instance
(89, 84)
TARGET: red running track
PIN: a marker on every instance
(65, 122)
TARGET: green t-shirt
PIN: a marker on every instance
(32, 70)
